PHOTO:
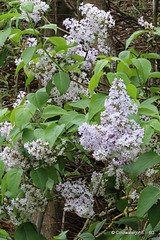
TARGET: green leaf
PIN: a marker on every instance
(52, 110)
(50, 183)
(15, 35)
(148, 109)
(147, 199)
(62, 82)
(8, 15)
(99, 66)
(27, 54)
(125, 236)
(157, 31)
(124, 55)
(96, 105)
(82, 103)
(4, 35)
(145, 160)
(123, 67)
(132, 91)
(3, 112)
(147, 112)
(77, 57)
(94, 82)
(87, 236)
(22, 114)
(29, 79)
(27, 7)
(119, 75)
(61, 236)
(156, 125)
(52, 132)
(14, 177)
(58, 41)
(150, 55)
(153, 214)
(121, 204)
(27, 231)
(144, 68)
(134, 36)
(50, 26)
(40, 133)
(38, 98)
(4, 235)
(3, 187)
(67, 118)
(3, 55)
(39, 177)
(2, 168)
(19, 67)
(30, 31)
(150, 100)
(154, 89)
(148, 132)
(2, 140)
(99, 226)
(28, 135)
(53, 174)
(154, 75)
(79, 119)
(129, 221)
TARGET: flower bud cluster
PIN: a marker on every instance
(36, 14)
(22, 209)
(118, 136)
(77, 197)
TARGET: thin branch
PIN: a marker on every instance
(63, 221)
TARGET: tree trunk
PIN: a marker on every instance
(155, 12)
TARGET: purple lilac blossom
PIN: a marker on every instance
(78, 198)
(118, 136)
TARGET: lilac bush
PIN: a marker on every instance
(95, 152)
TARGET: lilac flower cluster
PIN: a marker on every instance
(145, 24)
(36, 14)
(21, 210)
(41, 154)
(5, 128)
(91, 29)
(121, 179)
(77, 197)
(31, 42)
(118, 137)
(44, 69)
(19, 99)
(12, 159)
(98, 184)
